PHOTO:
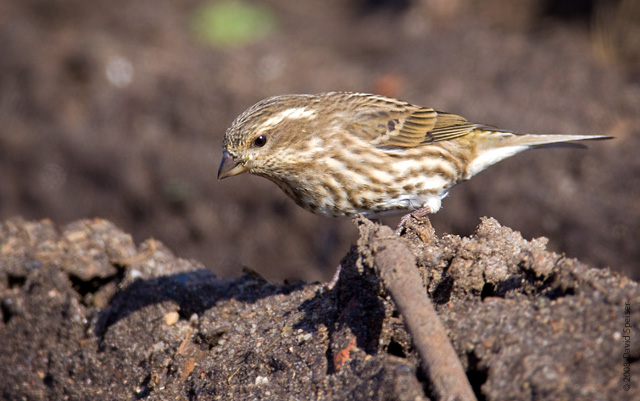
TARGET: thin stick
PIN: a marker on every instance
(395, 263)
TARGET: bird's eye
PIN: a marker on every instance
(260, 141)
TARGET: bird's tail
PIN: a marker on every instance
(499, 138)
(530, 140)
(498, 145)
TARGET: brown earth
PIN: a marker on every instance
(86, 313)
(115, 109)
(143, 153)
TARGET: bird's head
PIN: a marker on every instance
(267, 136)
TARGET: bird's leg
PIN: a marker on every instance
(334, 280)
(416, 214)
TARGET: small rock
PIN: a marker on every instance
(171, 318)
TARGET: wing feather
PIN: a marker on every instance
(404, 125)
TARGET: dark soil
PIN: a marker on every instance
(88, 314)
(75, 143)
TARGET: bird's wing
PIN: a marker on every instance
(389, 123)
(425, 125)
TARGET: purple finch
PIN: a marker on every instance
(343, 154)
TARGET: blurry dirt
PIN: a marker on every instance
(86, 313)
(114, 109)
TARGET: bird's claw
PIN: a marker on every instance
(417, 214)
(334, 280)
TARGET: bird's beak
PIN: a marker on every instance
(230, 166)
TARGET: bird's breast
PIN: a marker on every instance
(344, 185)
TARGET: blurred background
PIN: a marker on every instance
(116, 109)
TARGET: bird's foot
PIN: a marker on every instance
(334, 280)
(417, 214)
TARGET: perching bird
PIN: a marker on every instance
(344, 154)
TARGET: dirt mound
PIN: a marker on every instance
(88, 314)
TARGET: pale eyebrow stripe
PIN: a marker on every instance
(295, 113)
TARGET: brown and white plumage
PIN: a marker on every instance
(342, 154)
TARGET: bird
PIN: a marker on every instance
(344, 154)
